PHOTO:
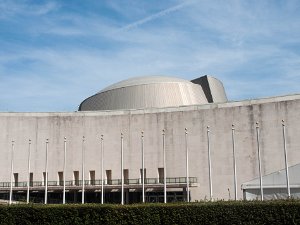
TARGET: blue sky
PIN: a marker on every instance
(54, 54)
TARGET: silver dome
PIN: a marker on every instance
(148, 92)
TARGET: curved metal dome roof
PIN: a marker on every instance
(152, 92)
(144, 80)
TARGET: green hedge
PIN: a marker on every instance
(253, 212)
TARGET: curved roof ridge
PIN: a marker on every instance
(144, 80)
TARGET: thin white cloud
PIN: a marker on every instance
(155, 16)
(10, 8)
(45, 9)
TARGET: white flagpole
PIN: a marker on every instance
(11, 171)
(64, 170)
(209, 164)
(285, 160)
(234, 161)
(28, 180)
(102, 181)
(143, 168)
(165, 168)
(46, 173)
(83, 139)
(122, 175)
(187, 167)
(259, 162)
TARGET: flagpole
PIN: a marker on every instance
(285, 160)
(46, 173)
(102, 181)
(143, 167)
(209, 164)
(11, 171)
(28, 180)
(122, 169)
(165, 169)
(259, 162)
(234, 161)
(82, 170)
(187, 167)
(64, 172)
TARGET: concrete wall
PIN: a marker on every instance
(268, 112)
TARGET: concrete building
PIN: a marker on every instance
(149, 105)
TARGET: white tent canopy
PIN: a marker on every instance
(274, 185)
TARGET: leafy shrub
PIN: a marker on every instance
(222, 212)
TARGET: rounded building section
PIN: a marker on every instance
(146, 92)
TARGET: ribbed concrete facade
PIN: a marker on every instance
(268, 112)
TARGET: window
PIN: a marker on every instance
(16, 179)
(126, 176)
(31, 179)
(92, 177)
(108, 177)
(60, 178)
(141, 175)
(44, 178)
(161, 175)
(76, 178)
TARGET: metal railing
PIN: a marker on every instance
(149, 181)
